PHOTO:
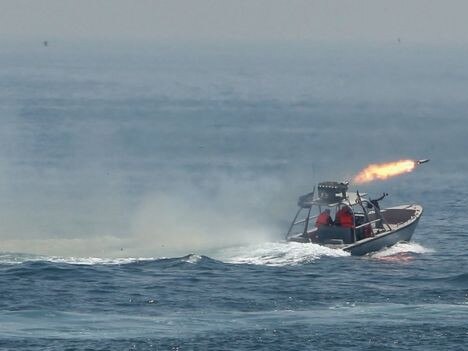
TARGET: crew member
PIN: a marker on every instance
(344, 217)
(324, 218)
(375, 204)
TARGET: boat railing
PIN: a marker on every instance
(294, 235)
(305, 219)
(367, 223)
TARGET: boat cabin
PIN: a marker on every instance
(365, 216)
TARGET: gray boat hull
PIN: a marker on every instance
(381, 241)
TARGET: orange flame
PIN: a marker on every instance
(384, 170)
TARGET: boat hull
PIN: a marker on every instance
(381, 241)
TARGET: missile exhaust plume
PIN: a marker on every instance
(381, 171)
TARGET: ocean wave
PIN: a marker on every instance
(19, 258)
(12, 259)
(463, 277)
(192, 258)
(277, 254)
(270, 254)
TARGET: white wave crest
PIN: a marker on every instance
(192, 258)
(277, 254)
(11, 258)
(97, 260)
(402, 248)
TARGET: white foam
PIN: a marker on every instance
(277, 254)
(10, 258)
(97, 260)
(22, 258)
(192, 258)
(401, 248)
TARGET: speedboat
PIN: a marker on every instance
(372, 228)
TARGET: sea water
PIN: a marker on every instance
(145, 191)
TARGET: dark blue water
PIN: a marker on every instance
(145, 193)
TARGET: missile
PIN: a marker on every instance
(420, 162)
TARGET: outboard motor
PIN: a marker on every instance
(330, 192)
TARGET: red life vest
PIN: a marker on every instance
(323, 219)
(344, 218)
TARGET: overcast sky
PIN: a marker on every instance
(427, 21)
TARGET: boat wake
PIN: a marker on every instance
(401, 251)
(269, 254)
(277, 254)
